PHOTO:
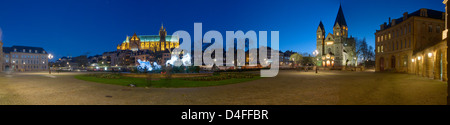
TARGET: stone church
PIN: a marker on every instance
(336, 49)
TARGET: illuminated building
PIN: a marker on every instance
(336, 49)
(413, 44)
(154, 43)
(24, 58)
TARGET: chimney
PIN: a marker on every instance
(405, 16)
(389, 20)
(393, 22)
(382, 26)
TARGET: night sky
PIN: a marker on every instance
(72, 28)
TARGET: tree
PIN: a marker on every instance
(307, 59)
(371, 53)
(296, 58)
(364, 51)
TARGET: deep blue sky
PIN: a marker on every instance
(66, 27)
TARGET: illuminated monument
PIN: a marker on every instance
(336, 49)
(154, 43)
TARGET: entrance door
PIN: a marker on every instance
(393, 62)
(381, 64)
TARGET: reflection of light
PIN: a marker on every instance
(50, 56)
(186, 60)
(147, 65)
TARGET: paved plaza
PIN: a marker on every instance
(288, 88)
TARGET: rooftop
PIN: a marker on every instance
(27, 49)
(434, 14)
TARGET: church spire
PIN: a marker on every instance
(340, 19)
(321, 26)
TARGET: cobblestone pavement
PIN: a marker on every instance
(288, 88)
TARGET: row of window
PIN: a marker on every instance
(395, 33)
(402, 44)
(25, 62)
(23, 50)
(26, 56)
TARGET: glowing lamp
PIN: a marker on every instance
(430, 54)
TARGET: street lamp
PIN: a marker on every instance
(50, 56)
(315, 53)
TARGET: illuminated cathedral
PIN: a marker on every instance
(154, 43)
(336, 48)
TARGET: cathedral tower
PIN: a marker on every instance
(340, 28)
(320, 38)
(162, 37)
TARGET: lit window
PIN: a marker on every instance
(381, 48)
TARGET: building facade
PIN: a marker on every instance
(413, 44)
(24, 58)
(154, 43)
(336, 48)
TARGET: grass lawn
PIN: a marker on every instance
(163, 83)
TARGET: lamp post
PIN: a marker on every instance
(50, 56)
(315, 53)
